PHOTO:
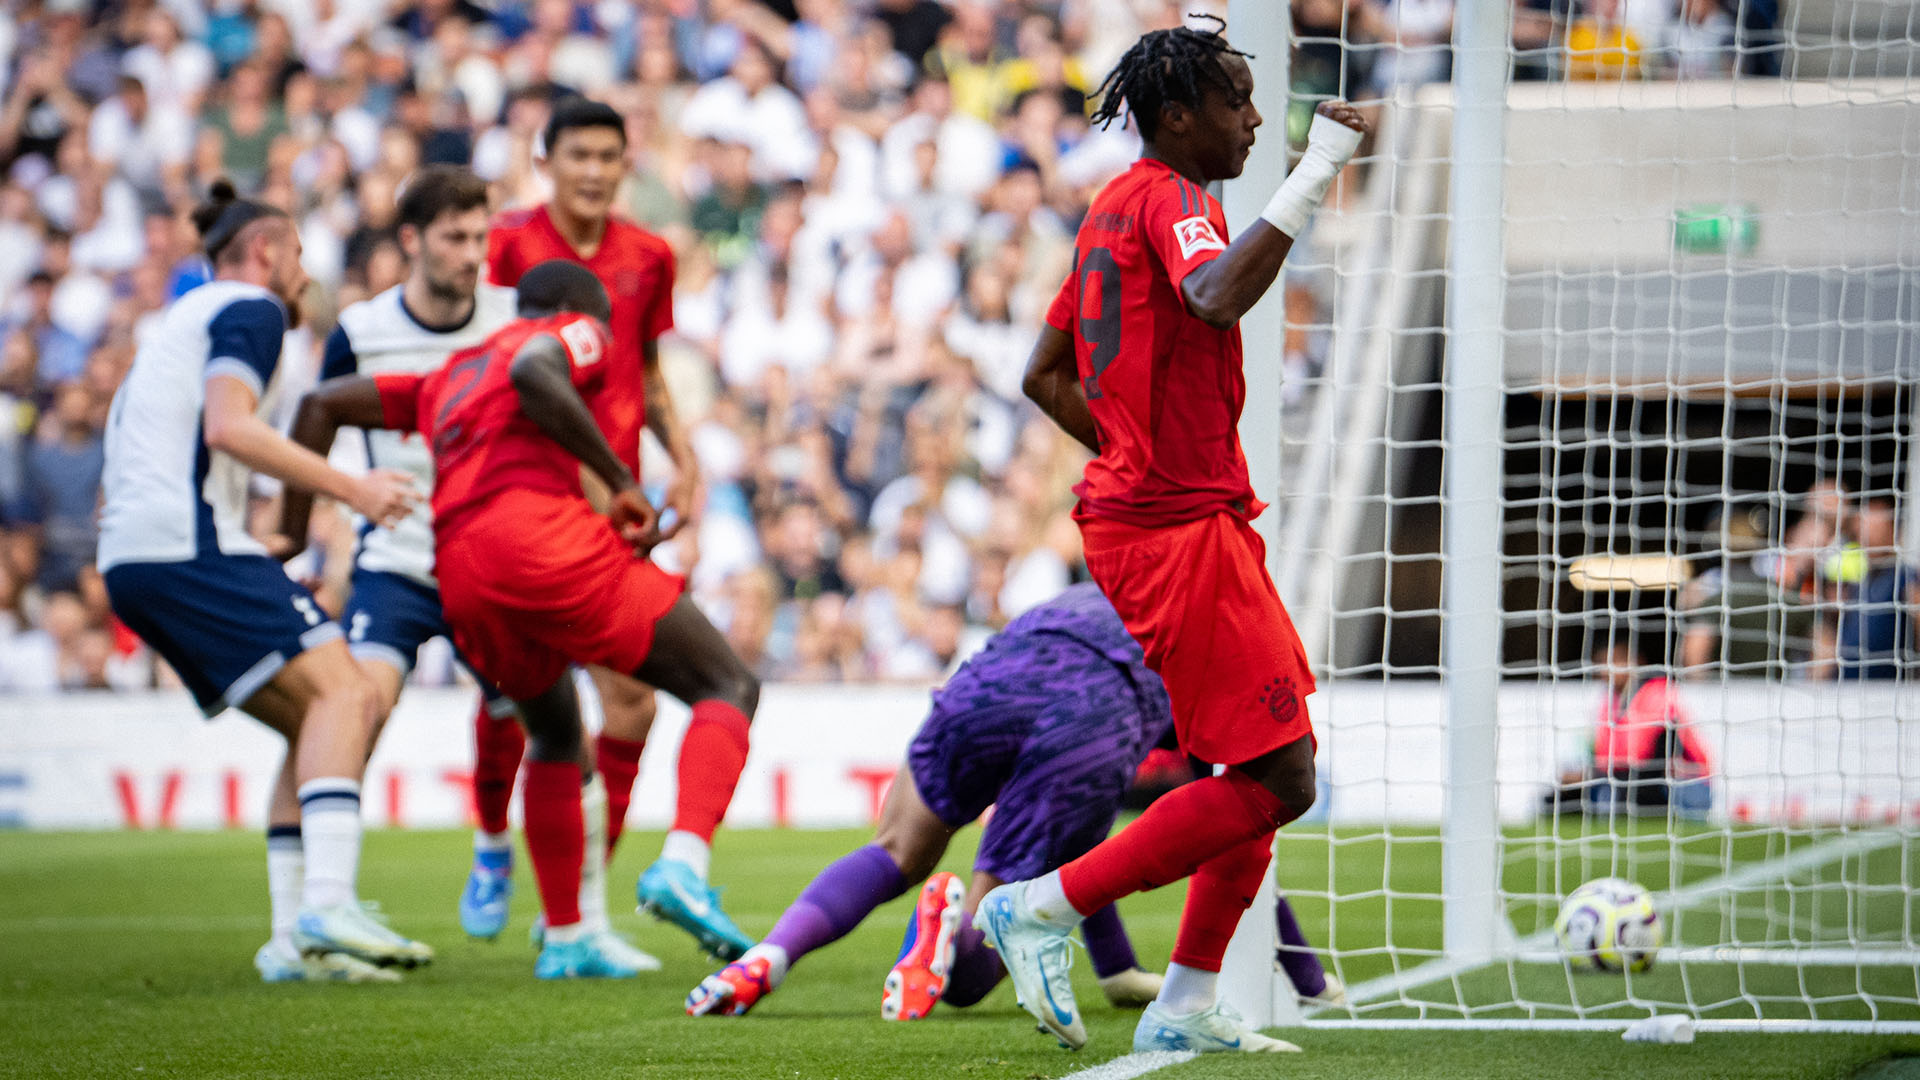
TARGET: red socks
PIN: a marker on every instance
(498, 744)
(556, 837)
(1217, 894)
(619, 762)
(711, 757)
(1182, 830)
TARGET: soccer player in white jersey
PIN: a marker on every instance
(441, 308)
(182, 572)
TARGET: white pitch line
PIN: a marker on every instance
(1128, 1066)
(1840, 847)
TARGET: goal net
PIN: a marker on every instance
(1595, 505)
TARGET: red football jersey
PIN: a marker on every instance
(1165, 388)
(469, 412)
(637, 269)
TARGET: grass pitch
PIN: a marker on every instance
(128, 955)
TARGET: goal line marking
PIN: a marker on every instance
(1687, 896)
(1128, 1066)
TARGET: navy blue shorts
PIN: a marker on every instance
(1048, 733)
(389, 616)
(226, 623)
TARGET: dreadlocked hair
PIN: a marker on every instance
(1166, 66)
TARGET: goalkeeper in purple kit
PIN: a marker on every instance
(1047, 725)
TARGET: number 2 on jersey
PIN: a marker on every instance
(1102, 330)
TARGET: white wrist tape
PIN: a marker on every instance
(1330, 145)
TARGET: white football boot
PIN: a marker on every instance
(1209, 1031)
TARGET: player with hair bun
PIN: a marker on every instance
(183, 573)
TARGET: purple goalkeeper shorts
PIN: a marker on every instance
(1048, 733)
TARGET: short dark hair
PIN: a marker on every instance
(562, 285)
(578, 112)
(225, 215)
(440, 189)
(1165, 67)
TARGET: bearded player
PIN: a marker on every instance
(394, 608)
(1140, 361)
(586, 148)
(533, 579)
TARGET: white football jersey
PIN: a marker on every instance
(167, 496)
(379, 336)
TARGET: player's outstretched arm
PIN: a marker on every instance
(1223, 290)
(348, 401)
(1053, 383)
(233, 429)
(542, 376)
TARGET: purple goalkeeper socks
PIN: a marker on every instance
(1107, 944)
(976, 968)
(1296, 956)
(835, 901)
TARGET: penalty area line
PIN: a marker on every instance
(1128, 1066)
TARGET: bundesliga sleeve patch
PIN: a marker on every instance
(583, 341)
(1195, 235)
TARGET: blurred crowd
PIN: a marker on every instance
(872, 202)
(1362, 49)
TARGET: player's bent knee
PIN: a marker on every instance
(913, 852)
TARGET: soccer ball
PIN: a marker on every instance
(1609, 925)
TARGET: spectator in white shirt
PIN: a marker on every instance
(175, 71)
(145, 143)
(785, 332)
(748, 105)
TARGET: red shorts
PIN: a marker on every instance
(536, 581)
(1197, 598)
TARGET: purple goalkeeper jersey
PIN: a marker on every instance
(1048, 723)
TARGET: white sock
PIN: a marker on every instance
(776, 958)
(684, 847)
(1048, 899)
(286, 874)
(489, 842)
(330, 833)
(565, 935)
(1188, 990)
(593, 869)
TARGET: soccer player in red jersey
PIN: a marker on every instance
(532, 578)
(586, 159)
(1140, 361)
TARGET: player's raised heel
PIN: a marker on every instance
(1038, 957)
(1210, 1031)
(348, 928)
(1132, 988)
(583, 959)
(484, 901)
(732, 990)
(279, 962)
(670, 890)
(919, 976)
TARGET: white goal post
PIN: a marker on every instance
(1594, 357)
